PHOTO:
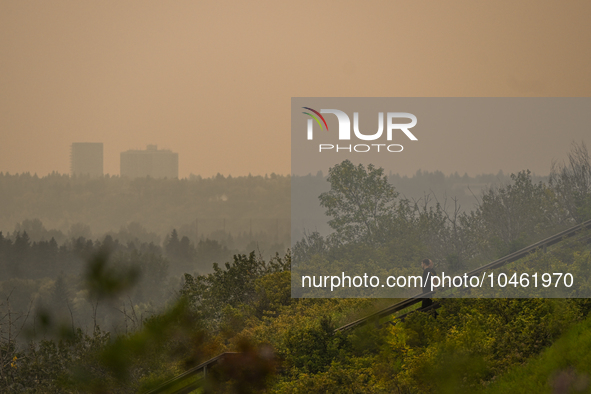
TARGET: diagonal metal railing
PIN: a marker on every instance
(554, 239)
(191, 373)
(374, 317)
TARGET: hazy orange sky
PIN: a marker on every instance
(212, 80)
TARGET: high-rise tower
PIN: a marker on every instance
(152, 162)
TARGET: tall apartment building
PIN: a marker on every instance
(86, 158)
(152, 162)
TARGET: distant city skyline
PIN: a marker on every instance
(86, 158)
(214, 83)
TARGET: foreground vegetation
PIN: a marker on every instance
(289, 345)
(563, 367)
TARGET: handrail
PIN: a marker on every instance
(193, 371)
(528, 249)
(495, 264)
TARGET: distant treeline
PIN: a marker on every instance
(237, 211)
(466, 189)
(22, 258)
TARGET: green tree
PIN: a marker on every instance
(209, 251)
(361, 201)
(516, 214)
(312, 347)
(172, 245)
(234, 285)
(572, 183)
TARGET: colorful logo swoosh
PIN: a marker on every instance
(315, 118)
